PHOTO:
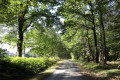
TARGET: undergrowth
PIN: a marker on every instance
(110, 71)
(20, 67)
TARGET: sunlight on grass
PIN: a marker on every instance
(106, 72)
(91, 65)
(109, 71)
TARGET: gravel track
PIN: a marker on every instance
(68, 71)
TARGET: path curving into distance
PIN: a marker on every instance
(68, 71)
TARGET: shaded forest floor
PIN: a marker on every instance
(92, 71)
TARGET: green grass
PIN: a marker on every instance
(110, 71)
(107, 72)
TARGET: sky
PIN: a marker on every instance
(9, 48)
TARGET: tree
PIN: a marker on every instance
(23, 14)
(47, 43)
(80, 11)
(3, 8)
(112, 34)
(90, 15)
(94, 31)
(102, 32)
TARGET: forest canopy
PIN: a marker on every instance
(90, 29)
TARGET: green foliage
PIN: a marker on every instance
(31, 64)
(3, 53)
(45, 43)
(78, 27)
(24, 14)
(77, 37)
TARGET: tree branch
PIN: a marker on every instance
(27, 26)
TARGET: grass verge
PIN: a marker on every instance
(43, 75)
(93, 71)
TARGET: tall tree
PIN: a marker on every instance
(94, 31)
(80, 11)
(102, 31)
(24, 13)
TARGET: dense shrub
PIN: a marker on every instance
(3, 53)
(31, 64)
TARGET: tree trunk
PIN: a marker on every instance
(20, 37)
(21, 21)
(103, 34)
(101, 45)
(104, 46)
(94, 32)
(89, 46)
(88, 43)
(24, 49)
(95, 43)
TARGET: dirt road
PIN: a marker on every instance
(68, 71)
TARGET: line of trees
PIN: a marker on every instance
(89, 28)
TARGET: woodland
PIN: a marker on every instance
(52, 30)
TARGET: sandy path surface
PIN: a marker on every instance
(68, 71)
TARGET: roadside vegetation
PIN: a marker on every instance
(18, 68)
(45, 74)
(95, 71)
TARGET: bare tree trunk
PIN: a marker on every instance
(94, 32)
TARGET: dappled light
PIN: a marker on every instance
(59, 39)
(67, 71)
